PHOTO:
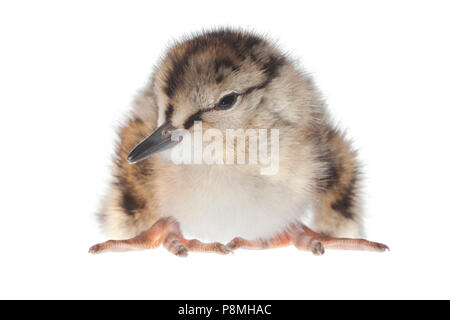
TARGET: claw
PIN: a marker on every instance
(235, 243)
(181, 251)
(223, 249)
(318, 249)
(95, 249)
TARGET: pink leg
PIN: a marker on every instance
(304, 238)
(345, 243)
(165, 231)
(196, 245)
(279, 241)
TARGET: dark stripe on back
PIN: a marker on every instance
(329, 159)
(331, 175)
(131, 203)
(345, 203)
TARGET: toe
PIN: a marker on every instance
(181, 251)
(235, 243)
(221, 249)
(95, 249)
(318, 249)
(381, 247)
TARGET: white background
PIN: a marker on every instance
(69, 71)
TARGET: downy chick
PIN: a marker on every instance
(222, 80)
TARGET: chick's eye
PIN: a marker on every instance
(227, 102)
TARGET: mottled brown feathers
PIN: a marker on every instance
(344, 203)
(316, 161)
(232, 49)
(338, 185)
(130, 180)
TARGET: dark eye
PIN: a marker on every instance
(227, 102)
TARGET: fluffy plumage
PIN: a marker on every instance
(318, 168)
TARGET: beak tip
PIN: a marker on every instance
(156, 142)
(131, 159)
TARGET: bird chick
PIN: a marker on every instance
(232, 80)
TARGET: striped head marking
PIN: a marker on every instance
(217, 77)
(228, 80)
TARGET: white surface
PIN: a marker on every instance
(69, 70)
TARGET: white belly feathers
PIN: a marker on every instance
(220, 204)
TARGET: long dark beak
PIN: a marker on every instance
(159, 140)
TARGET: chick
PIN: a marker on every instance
(229, 80)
